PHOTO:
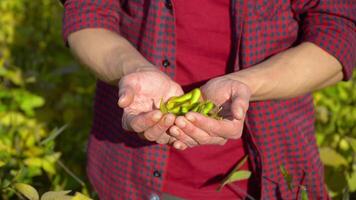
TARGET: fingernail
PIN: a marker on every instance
(174, 132)
(240, 112)
(177, 145)
(157, 116)
(190, 118)
(181, 123)
(121, 99)
(167, 121)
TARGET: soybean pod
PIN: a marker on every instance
(208, 106)
(196, 107)
(196, 94)
(180, 99)
(175, 110)
(162, 107)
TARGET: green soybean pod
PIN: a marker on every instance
(175, 110)
(180, 99)
(196, 94)
(170, 104)
(195, 107)
(201, 108)
(162, 107)
(208, 106)
(184, 110)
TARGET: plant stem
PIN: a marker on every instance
(238, 190)
(66, 169)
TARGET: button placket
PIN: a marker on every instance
(157, 173)
(168, 4)
(165, 63)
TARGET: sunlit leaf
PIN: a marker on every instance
(239, 175)
(2, 163)
(57, 195)
(352, 181)
(304, 193)
(27, 190)
(80, 196)
(332, 158)
(48, 167)
(232, 176)
(352, 141)
(287, 177)
(33, 162)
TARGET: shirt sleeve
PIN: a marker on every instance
(80, 14)
(330, 24)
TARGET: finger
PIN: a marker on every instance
(171, 140)
(230, 129)
(142, 122)
(240, 102)
(182, 137)
(199, 135)
(154, 133)
(163, 139)
(179, 145)
(126, 97)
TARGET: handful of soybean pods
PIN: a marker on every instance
(190, 102)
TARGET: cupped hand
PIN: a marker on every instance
(139, 95)
(196, 129)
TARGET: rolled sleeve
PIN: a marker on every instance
(80, 14)
(331, 24)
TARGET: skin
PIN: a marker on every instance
(115, 61)
(291, 73)
(296, 71)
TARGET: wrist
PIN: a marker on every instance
(252, 79)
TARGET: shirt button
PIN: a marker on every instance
(156, 173)
(165, 63)
(154, 196)
(168, 4)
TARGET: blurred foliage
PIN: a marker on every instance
(336, 136)
(42, 91)
(46, 108)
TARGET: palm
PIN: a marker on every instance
(220, 92)
(149, 88)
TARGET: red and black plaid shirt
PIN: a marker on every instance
(280, 132)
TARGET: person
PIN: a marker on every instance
(259, 60)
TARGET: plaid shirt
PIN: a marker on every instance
(280, 132)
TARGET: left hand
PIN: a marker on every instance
(195, 129)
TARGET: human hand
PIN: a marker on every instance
(139, 95)
(195, 129)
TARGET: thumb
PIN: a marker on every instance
(126, 97)
(240, 103)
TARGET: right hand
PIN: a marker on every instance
(140, 94)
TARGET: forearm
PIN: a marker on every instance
(291, 73)
(108, 55)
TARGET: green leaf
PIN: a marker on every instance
(80, 196)
(29, 102)
(352, 141)
(304, 193)
(332, 158)
(352, 181)
(239, 175)
(48, 167)
(27, 190)
(234, 175)
(56, 195)
(287, 177)
(33, 162)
